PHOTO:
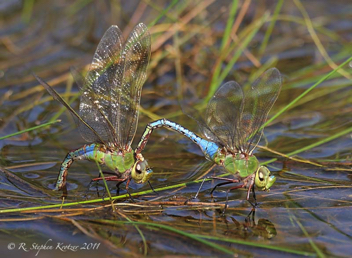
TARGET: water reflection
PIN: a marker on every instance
(263, 228)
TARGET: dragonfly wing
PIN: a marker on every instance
(98, 101)
(259, 99)
(76, 116)
(195, 115)
(136, 54)
(223, 114)
(87, 133)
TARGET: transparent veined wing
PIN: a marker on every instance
(75, 115)
(98, 101)
(136, 54)
(223, 114)
(258, 101)
(195, 115)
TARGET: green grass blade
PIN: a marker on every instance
(217, 80)
(174, 230)
(229, 24)
(30, 129)
(27, 10)
(141, 234)
(100, 199)
(77, 6)
(313, 145)
(319, 253)
(270, 28)
(259, 245)
(225, 41)
(162, 13)
(105, 184)
(292, 103)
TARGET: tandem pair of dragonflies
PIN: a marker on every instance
(109, 107)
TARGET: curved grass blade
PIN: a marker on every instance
(165, 227)
(293, 102)
(29, 129)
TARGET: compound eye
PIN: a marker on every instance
(138, 169)
(261, 176)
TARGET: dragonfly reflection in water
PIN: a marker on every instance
(251, 227)
(232, 127)
(109, 102)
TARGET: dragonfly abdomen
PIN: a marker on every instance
(80, 154)
(208, 148)
(61, 178)
(85, 152)
(115, 160)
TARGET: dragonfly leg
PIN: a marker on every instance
(152, 188)
(250, 218)
(228, 181)
(113, 174)
(96, 181)
(227, 194)
(251, 188)
(128, 190)
(216, 186)
(201, 185)
(118, 188)
(196, 195)
(107, 173)
(89, 186)
(109, 178)
(255, 198)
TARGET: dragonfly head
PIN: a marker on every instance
(141, 172)
(263, 180)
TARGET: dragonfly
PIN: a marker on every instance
(109, 106)
(232, 127)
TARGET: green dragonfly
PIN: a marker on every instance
(109, 106)
(233, 126)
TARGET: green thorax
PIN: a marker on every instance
(237, 163)
(116, 160)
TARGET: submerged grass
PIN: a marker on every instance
(30, 129)
(172, 229)
(319, 252)
(313, 145)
